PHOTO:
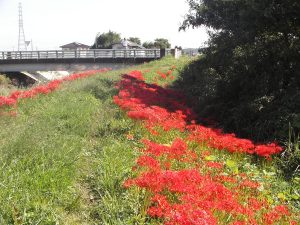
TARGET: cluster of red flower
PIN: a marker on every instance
(215, 138)
(195, 194)
(185, 189)
(12, 100)
(167, 109)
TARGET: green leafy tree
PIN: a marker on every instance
(250, 67)
(135, 40)
(158, 43)
(106, 40)
(148, 44)
(162, 43)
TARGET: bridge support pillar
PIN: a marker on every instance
(162, 52)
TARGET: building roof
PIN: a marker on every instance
(75, 45)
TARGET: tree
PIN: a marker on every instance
(135, 40)
(162, 43)
(158, 43)
(106, 40)
(250, 67)
(148, 44)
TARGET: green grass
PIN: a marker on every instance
(64, 158)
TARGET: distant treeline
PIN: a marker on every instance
(107, 39)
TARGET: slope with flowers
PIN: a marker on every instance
(111, 149)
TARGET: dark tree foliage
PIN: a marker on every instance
(148, 44)
(162, 43)
(106, 40)
(248, 78)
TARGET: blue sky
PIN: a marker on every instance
(51, 23)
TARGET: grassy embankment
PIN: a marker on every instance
(65, 156)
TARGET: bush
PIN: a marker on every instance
(248, 77)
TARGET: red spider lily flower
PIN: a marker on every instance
(205, 154)
(128, 183)
(148, 162)
(250, 184)
(228, 179)
(129, 136)
(137, 74)
(15, 95)
(215, 165)
(267, 150)
(255, 204)
(276, 214)
(7, 101)
(293, 222)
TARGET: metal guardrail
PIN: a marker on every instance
(83, 54)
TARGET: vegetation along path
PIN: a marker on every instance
(120, 147)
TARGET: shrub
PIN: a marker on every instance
(4, 80)
(248, 77)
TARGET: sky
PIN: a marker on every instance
(52, 23)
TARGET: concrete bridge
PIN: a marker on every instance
(76, 60)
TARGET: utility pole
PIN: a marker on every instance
(22, 45)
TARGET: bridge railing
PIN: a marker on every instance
(92, 53)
